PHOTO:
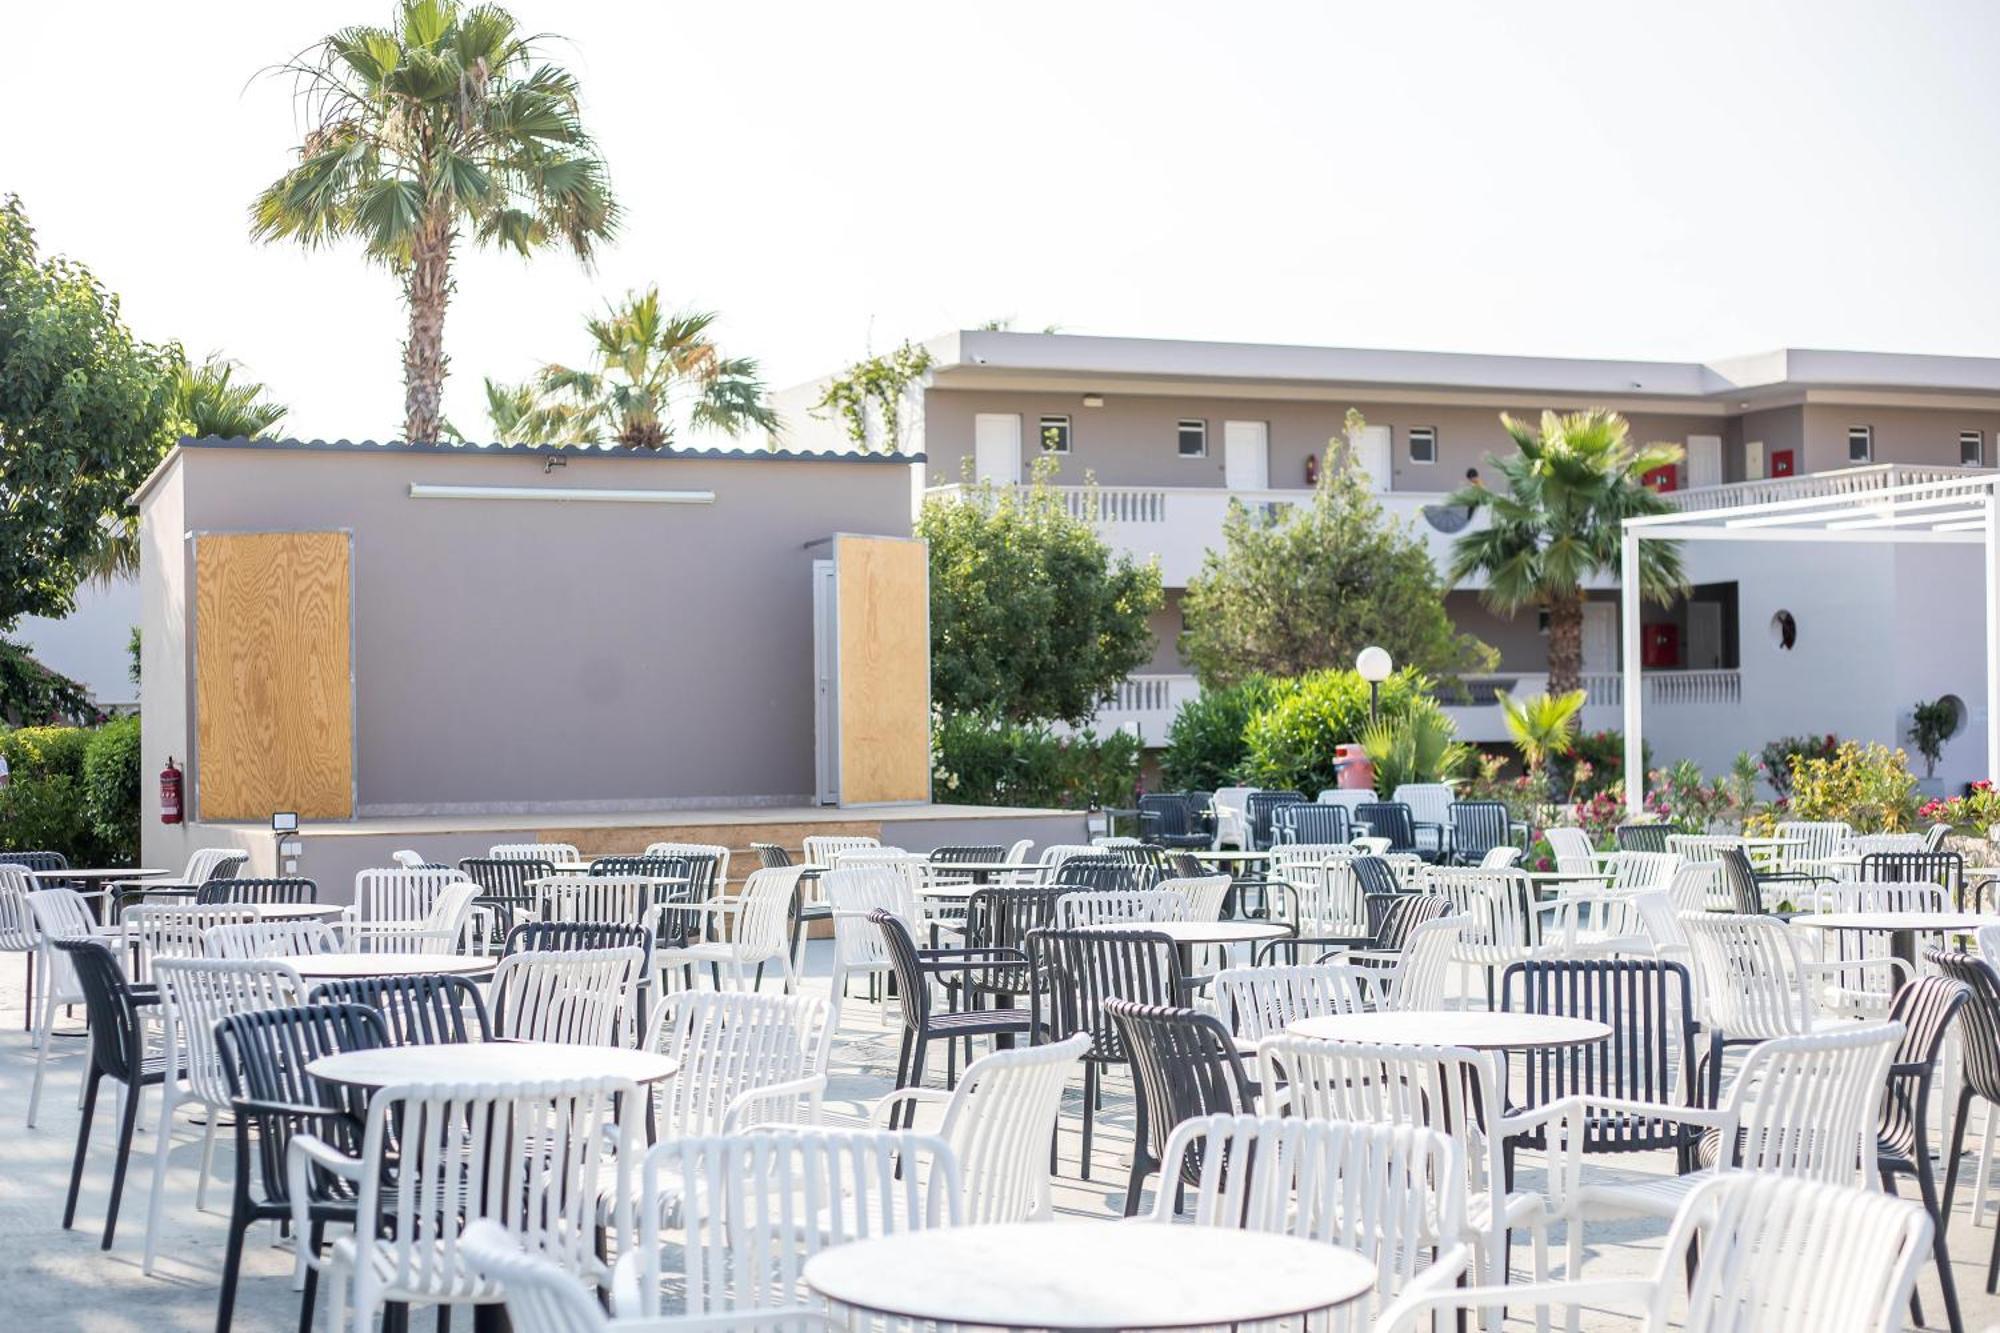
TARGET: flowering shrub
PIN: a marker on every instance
(1518, 792)
(1595, 763)
(1778, 757)
(1871, 787)
(1971, 814)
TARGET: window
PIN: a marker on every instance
(1194, 439)
(1860, 443)
(1423, 444)
(1055, 435)
(1972, 448)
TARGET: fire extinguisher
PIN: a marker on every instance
(170, 793)
(1312, 469)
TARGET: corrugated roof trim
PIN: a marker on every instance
(566, 450)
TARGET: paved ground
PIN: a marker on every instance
(52, 1279)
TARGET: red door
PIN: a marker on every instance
(1781, 462)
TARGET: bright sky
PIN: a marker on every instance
(1670, 180)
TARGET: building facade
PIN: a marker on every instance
(1769, 641)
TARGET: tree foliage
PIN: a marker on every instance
(1206, 747)
(1558, 523)
(1312, 587)
(85, 412)
(1032, 618)
(210, 400)
(449, 118)
(868, 396)
(1292, 737)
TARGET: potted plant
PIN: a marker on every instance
(1931, 725)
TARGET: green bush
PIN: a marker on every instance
(73, 790)
(111, 786)
(1206, 748)
(1290, 741)
(1780, 756)
(1869, 787)
(1419, 746)
(981, 761)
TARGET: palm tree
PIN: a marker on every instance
(209, 401)
(449, 120)
(520, 416)
(652, 369)
(1557, 524)
(1543, 727)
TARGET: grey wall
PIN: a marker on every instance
(515, 655)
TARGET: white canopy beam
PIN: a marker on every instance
(1629, 647)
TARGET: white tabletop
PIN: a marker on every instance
(99, 873)
(296, 912)
(1090, 1275)
(1203, 932)
(981, 867)
(347, 966)
(490, 1062)
(1228, 854)
(1474, 1030)
(1928, 921)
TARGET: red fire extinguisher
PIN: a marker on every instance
(170, 793)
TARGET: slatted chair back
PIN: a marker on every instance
(1650, 1057)
(1228, 807)
(1347, 796)
(270, 939)
(745, 1059)
(1934, 837)
(1946, 870)
(1255, 1002)
(1131, 907)
(1640, 872)
(1453, 1091)
(1927, 1008)
(1807, 1106)
(1375, 875)
(575, 936)
(383, 895)
(820, 850)
(1423, 971)
(1053, 855)
(441, 930)
(720, 885)
(504, 884)
(1979, 1019)
(1324, 899)
(35, 860)
(1659, 922)
(416, 1010)
(171, 930)
(855, 892)
(1075, 971)
(1177, 818)
(264, 1054)
(959, 853)
(408, 858)
(1702, 846)
(1500, 858)
(1429, 802)
(539, 1296)
(1259, 808)
(1004, 918)
(213, 863)
(1499, 906)
(1807, 842)
(1184, 1065)
(534, 851)
(538, 1148)
(1889, 896)
(257, 891)
(1313, 823)
(1403, 914)
(679, 883)
(573, 997)
(1643, 837)
(1739, 882)
(1751, 977)
(1391, 820)
(1479, 827)
(807, 1190)
(117, 1035)
(594, 897)
(58, 915)
(1394, 1194)
(1871, 844)
(999, 1122)
(1202, 895)
(1103, 874)
(1574, 852)
(17, 923)
(914, 1000)
(761, 928)
(198, 993)
(771, 856)
(1694, 887)
(1289, 856)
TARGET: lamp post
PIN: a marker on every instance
(1375, 666)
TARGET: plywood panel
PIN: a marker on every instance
(274, 700)
(885, 669)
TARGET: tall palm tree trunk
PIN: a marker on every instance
(1566, 643)
(428, 291)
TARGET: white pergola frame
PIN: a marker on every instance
(1961, 511)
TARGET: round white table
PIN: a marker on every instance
(1902, 928)
(98, 873)
(490, 1062)
(1474, 1030)
(349, 966)
(292, 911)
(1090, 1276)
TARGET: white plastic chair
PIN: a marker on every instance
(1755, 984)
(821, 850)
(808, 1191)
(59, 914)
(1775, 1256)
(1325, 901)
(1702, 846)
(176, 930)
(195, 995)
(714, 849)
(536, 1145)
(1256, 1002)
(1868, 844)
(625, 899)
(575, 996)
(745, 1059)
(1394, 1194)
(553, 852)
(1232, 816)
(1000, 1120)
(1811, 842)
(1502, 921)
(1455, 1092)
(858, 948)
(1430, 803)
(1109, 907)
(410, 911)
(1660, 920)
(408, 859)
(758, 931)
(1500, 858)
(1056, 853)
(1573, 851)
(17, 926)
(270, 939)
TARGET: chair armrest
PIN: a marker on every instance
(951, 960)
(902, 1096)
(813, 1086)
(304, 1152)
(1404, 1314)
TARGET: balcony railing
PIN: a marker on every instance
(1145, 705)
(1817, 485)
(1606, 689)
